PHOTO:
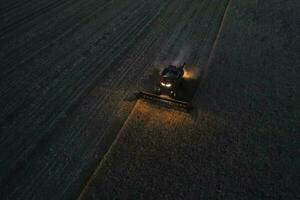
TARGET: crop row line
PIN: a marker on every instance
(30, 119)
(10, 5)
(47, 101)
(22, 18)
(39, 72)
(11, 63)
(107, 96)
(76, 92)
(64, 166)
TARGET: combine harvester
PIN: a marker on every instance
(170, 89)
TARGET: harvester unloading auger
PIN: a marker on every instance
(169, 89)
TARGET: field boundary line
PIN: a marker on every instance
(115, 142)
(213, 49)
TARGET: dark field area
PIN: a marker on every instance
(70, 128)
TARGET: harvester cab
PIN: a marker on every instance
(170, 80)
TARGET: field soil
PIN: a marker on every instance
(71, 127)
(240, 142)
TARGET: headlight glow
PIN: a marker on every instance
(166, 84)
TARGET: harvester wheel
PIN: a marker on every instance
(157, 91)
(174, 94)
